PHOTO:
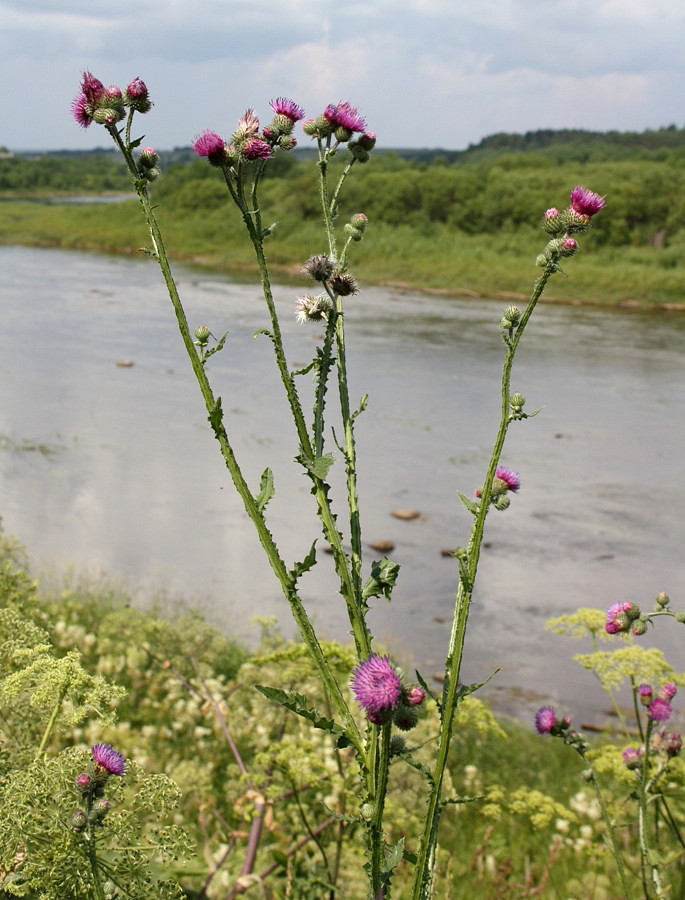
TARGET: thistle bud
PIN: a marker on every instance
(366, 811)
(137, 96)
(551, 221)
(502, 503)
(405, 717)
(638, 627)
(517, 401)
(148, 159)
(662, 600)
(397, 745)
(84, 782)
(359, 153)
(367, 141)
(541, 260)
(202, 334)
(287, 142)
(354, 233)
(79, 820)
(568, 246)
(359, 220)
(680, 617)
(99, 810)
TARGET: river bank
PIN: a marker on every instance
(440, 261)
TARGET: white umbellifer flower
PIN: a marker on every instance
(562, 825)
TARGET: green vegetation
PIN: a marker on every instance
(459, 223)
(185, 709)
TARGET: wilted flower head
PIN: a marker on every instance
(312, 309)
(376, 685)
(320, 268)
(674, 744)
(247, 127)
(256, 149)
(585, 202)
(343, 284)
(343, 115)
(509, 477)
(282, 106)
(659, 710)
(109, 759)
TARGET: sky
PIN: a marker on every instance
(424, 73)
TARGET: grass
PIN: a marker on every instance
(437, 258)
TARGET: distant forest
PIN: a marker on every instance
(501, 183)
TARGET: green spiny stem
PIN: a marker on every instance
(421, 889)
(381, 770)
(333, 205)
(265, 537)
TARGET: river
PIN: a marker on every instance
(112, 468)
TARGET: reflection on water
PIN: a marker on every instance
(113, 468)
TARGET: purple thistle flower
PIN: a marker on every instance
(81, 111)
(645, 691)
(551, 213)
(659, 710)
(91, 87)
(545, 719)
(109, 759)
(585, 202)
(211, 145)
(256, 149)
(282, 106)
(631, 757)
(509, 477)
(376, 684)
(343, 115)
(619, 617)
(668, 691)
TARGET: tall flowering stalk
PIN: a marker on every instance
(379, 688)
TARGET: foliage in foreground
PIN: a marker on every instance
(173, 692)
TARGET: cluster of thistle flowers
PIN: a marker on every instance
(91, 785)
(659, 709)
(584, 204)
(249, 143)
(379, 690)
(624, 617)
(547, 722)
(505, 480)
(309, 308)
(107, 106)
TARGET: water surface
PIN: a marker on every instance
(111, 468)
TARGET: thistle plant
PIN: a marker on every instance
(385, 698)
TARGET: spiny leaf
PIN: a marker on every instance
(216, 416)
(469, 504)
(421, 680)
(318, 467)
(266, 489)
(381, 580)
(297, 703)
(392, 858)
(301, 567)
(219, 346)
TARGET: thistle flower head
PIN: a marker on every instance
(344, 284)
(619, 617)
(211, 145)
(415, 696)
(109, 759)
(545, 720)
(256, 149)
(344, 115)
(509, 477)
(282, 106)
(659, 710)
(320, 268)
(632, 756)
(376, 685)
(91, 87)
(312, 309)
(82, 111)
(585, 202)
(247, 127)
(668, 691)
